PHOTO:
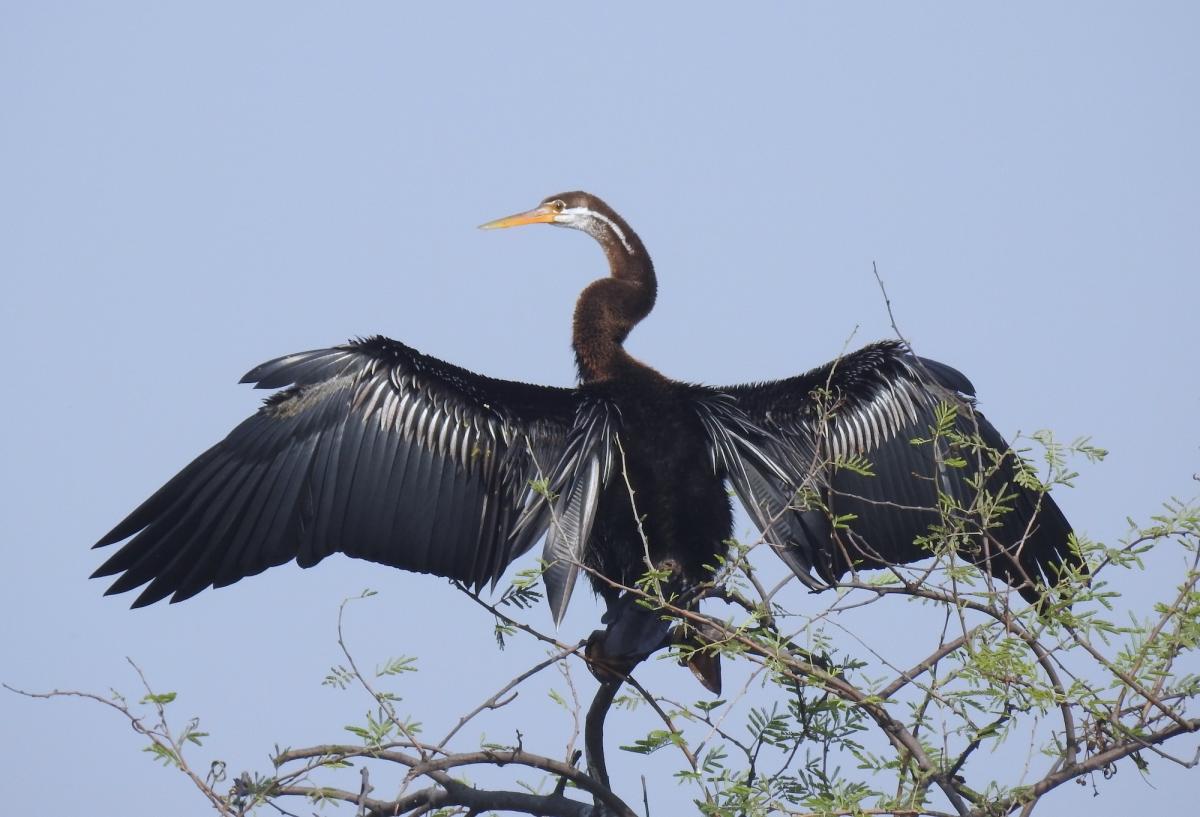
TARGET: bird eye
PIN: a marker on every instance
(559, 205)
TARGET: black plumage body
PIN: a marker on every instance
(380, 452)
(668, 506)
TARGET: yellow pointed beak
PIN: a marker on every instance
(539, 215)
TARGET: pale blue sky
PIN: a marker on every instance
(186, 192)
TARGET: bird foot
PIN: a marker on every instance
(606, 666)
(634, 633)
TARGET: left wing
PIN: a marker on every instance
(843, 434)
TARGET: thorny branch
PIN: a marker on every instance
(959, 675)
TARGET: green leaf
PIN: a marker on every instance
(397, 666)
(159, 699)
(162, 754)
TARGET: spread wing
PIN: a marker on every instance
(373, 450)
(838, 442)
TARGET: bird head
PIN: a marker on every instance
(578, 211)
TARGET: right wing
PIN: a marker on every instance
(373, 450)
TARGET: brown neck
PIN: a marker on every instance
(610, 307)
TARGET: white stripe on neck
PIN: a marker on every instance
(584, 214)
